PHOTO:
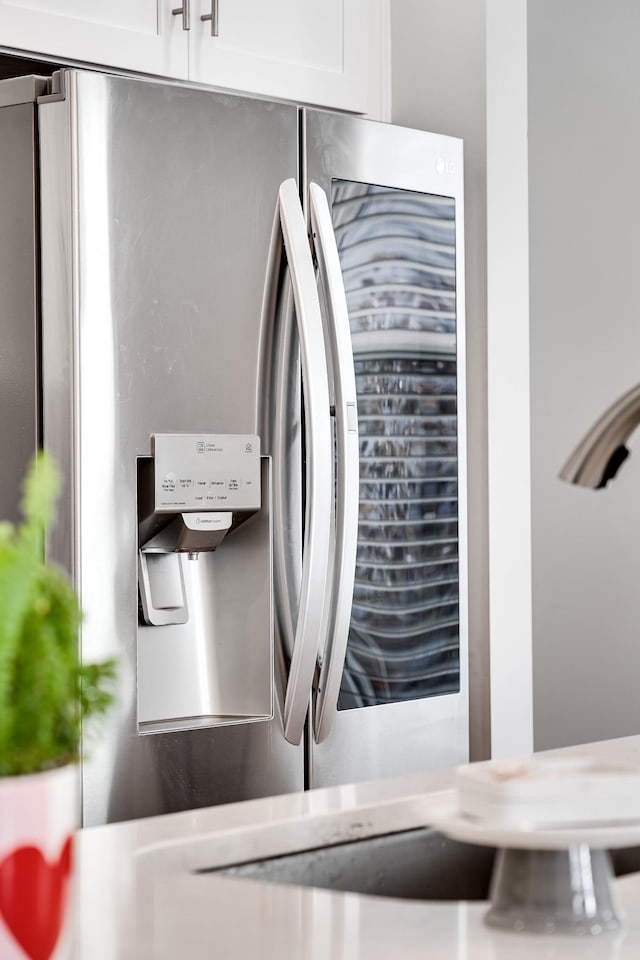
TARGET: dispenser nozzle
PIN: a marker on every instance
(191, 533)
(162, 589)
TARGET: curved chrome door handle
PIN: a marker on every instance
(347, 458)
(308, 633)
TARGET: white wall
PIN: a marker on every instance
(569, 72)
(439, 85)
(584, 180)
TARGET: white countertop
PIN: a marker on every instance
(138, 896)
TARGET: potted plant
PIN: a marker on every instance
(46, 695)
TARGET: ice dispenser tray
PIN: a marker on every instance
(205, 634)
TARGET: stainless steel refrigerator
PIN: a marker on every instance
(239, 327)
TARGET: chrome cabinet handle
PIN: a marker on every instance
(309, 627)
(213, 16)
(186, 14)
(340, 589)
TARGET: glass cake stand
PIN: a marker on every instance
(548, 879)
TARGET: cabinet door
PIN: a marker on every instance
(303, 50)
(140, 35)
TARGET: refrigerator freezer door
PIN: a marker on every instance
(396, 202)
(157, 211)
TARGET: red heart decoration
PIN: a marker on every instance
(33, 897)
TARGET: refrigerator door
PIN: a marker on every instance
(396, 201)
(20, 421)
(157, 214)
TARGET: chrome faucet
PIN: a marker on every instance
(602, 451)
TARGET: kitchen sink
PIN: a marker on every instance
(419, 864)
(415, 864)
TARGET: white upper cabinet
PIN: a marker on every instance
(140, 35)
(310, 51)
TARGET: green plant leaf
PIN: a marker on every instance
(40, 493)
(45, 693)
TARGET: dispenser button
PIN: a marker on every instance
(169, 483)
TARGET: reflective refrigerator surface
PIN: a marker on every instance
(397, 209)
(157, 212)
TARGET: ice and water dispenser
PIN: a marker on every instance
(205, 636)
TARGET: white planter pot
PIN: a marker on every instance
(38, 814)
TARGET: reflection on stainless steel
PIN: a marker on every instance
(168, 373)
(397, 251)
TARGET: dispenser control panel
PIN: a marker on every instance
(207, 471)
